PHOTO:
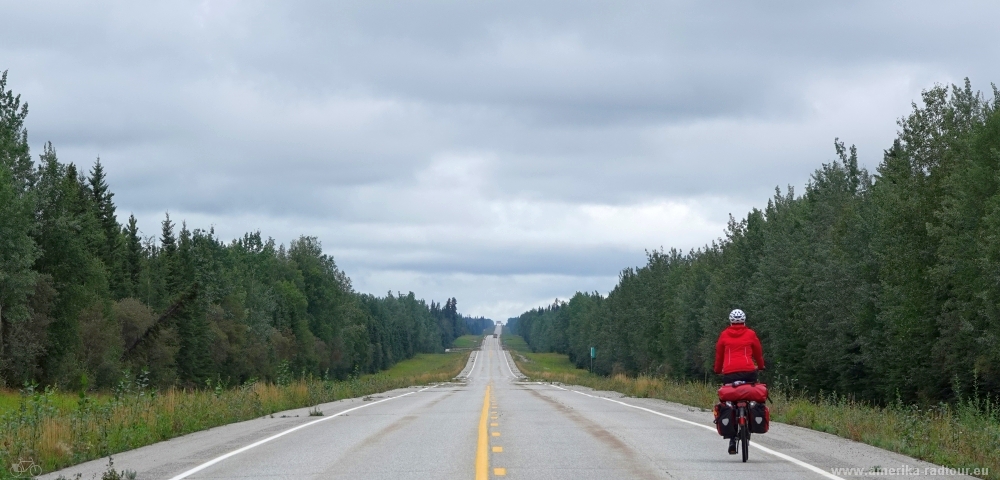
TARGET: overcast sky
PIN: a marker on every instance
(503, 152)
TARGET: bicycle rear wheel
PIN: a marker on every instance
(745, 441)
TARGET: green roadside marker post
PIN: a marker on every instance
(593, 353)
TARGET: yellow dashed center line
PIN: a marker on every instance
(482, 456)
(487, 429)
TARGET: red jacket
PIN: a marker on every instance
(738, 350)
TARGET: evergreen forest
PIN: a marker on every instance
(87, 301)
(883, 286)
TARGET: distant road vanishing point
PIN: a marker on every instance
(492, 423)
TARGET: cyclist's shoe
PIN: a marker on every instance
(732, 446)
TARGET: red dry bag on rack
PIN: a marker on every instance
(751, 392)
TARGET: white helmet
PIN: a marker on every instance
(737, 316)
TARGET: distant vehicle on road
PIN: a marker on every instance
(494, 335)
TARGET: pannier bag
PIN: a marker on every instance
(725, 419)
(751, 392)
(760, 417)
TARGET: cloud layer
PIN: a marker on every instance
(505, 153)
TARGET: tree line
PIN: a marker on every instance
(85, 299)
(882, 286)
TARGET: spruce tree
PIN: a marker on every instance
(104, 209)
(168, 260)
(132, 258)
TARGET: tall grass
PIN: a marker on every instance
(38, 432)
(964, 435)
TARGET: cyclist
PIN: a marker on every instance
(738, 355)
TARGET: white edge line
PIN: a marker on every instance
(474, 360)
(757, 446)
(504, 353)
(286, 432)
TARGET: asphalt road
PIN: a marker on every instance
(490, 423)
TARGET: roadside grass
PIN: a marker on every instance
(468, 341)
(55, 430)
(966, 435)
(515, 342)
(426, 368)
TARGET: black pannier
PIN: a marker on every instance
(760, 417)
(725, 419)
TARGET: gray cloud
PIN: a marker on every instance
(524, 148)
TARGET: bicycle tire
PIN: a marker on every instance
(745, 441)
